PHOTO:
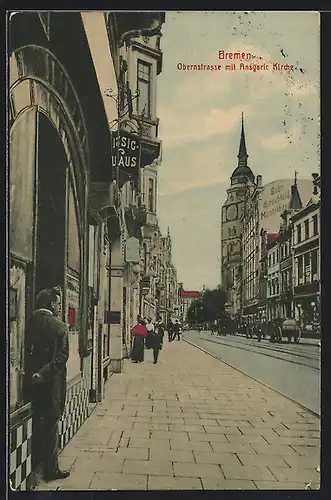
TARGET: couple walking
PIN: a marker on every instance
(174, 330)
(145, 333)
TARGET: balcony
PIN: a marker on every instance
(149, 128)
(104, 201)
(135, 218)
(306, 289)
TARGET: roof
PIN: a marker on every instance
(295, 202)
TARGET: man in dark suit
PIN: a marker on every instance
(47, 354)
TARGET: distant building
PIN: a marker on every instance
(263, 210)
(273, 287)
(285, 253)
(186, 298)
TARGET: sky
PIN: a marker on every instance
(200, 120)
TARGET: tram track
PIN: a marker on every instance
(258, 350)
(294, 400)
(295, 350)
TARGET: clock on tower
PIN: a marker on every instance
(231, 212)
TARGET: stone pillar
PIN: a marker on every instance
(116, 307)
(101, 310)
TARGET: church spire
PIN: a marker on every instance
(242, 155)
(295, 202)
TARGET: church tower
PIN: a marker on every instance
(231, 228)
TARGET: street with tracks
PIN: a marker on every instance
(291, 369)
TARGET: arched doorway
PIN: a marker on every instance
(51, 207)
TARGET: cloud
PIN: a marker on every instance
(197, 125)
(283, 140)
(194, 167)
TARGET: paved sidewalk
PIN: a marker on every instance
(191, 422)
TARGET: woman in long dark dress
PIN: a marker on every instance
(139, 333)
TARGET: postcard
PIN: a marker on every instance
(164, 256)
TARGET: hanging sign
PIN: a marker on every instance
(125, 153)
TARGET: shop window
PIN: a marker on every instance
(144, 84)
(17, 297)
(76, 341)
(307, 268)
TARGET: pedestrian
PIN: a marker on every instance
(150, 330)
(160, 328)
(170, 330)
(177, 330)
(139, 333)
(47, 352)
(156, 345)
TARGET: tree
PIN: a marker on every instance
(213, 302)
(195, 312)
(209, 308)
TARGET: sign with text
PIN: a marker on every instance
(275, 198)
(125, 154)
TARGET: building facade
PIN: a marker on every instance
(286, 253)
(75, 199)
(273, 279)
(167, 282)
(251, 251)
(307, 263)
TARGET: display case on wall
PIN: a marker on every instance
(73, 321)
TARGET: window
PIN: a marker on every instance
(315, 224)
(306, 229)
(151, 195)
(299, 233)
(306, 263)
(144, 88)
(273, 258)
(314, 270)
(300, 267)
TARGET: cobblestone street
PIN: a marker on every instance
(191, 422)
